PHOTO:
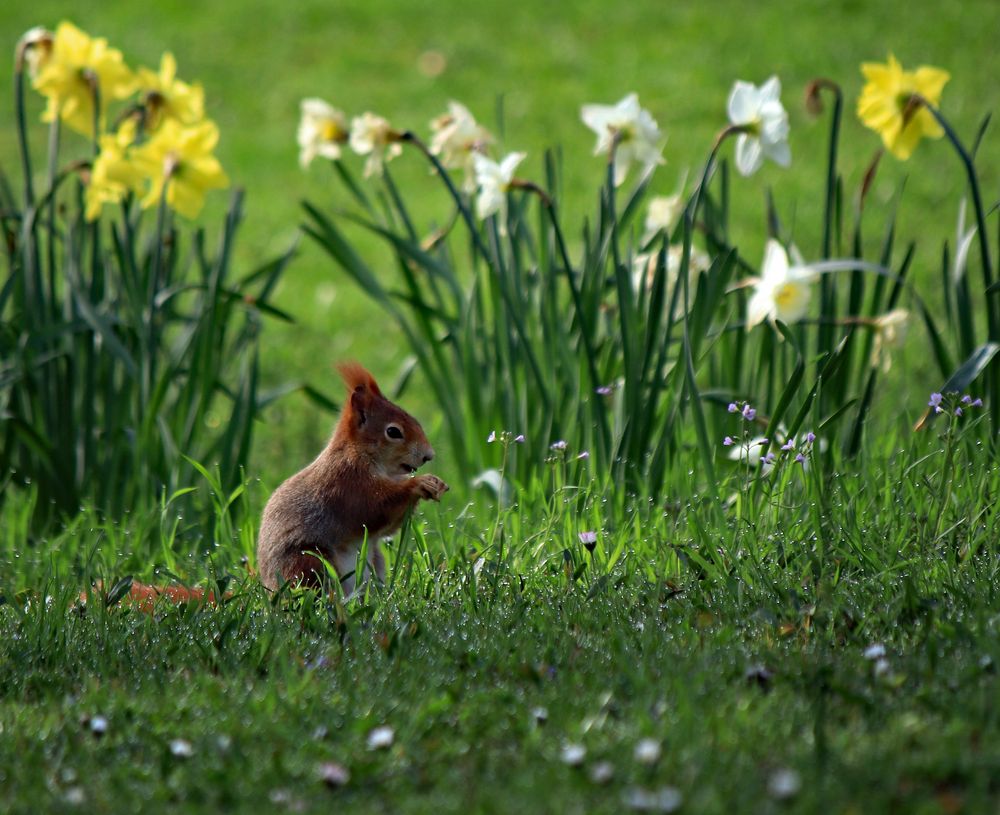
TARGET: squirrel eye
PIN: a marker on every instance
(393, 432)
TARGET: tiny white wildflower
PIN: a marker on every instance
(181, 748)
(647, 751)
(381, 737)
(333, 774)
(602, 772)
(784, 783)
(573, 754)
(875, 651)
(665, 799)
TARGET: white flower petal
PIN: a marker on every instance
(749, 155)
(779, 152)
(743, 103)
(509, 164)
(770, 91)
(775, 266)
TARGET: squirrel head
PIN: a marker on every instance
(378, 429)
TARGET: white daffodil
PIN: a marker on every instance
(37, 48)
(890, 333)
(783, 291)
(662, 215)
(760, 111)
(457, 138)
(631, 129)
(373, 136)
(322, 130)
(493, 181)
(645, 264)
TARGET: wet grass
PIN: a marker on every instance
(821, 643)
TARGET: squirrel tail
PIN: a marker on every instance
(145, 597)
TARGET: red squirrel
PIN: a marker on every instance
(362, 484)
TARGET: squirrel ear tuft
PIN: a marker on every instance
(357, 378)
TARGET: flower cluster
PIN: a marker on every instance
(952, 403)
(161, 145)
(754, 450)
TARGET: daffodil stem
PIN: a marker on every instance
(831, 167)
(827, 292)
(977, 202)
(412, 138)
(22, 133)
(992, 319)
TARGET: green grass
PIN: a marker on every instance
(734, 637)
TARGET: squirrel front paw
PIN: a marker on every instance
(430, 487)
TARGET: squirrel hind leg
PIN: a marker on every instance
(305, 570)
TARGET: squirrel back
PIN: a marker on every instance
(360, 486)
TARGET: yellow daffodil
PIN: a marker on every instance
(887, 104)
(114, 173)
(165, 96)
(179, 158)
(67, 77)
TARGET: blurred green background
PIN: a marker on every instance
(405, 60)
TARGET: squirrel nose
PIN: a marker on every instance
(428, 456)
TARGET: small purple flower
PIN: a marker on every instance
(604, 390)
(801, 459)
(733, 407)
(769, 458)
(935, 402)
(749, 413)
(810, 437)
(966, 400)
(788, 445)
(558, 445)
(519, 438)
(976, 403)
(728, 441)
(958, 411)
(492, 437)
(588, 538)
(583, 456)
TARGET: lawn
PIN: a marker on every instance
(650, 625)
